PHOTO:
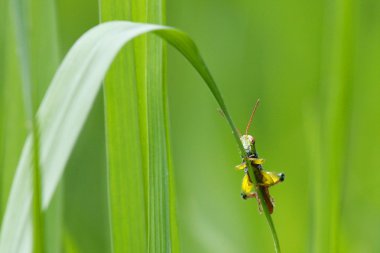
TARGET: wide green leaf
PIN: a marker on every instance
(138, 169)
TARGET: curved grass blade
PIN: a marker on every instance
(65, 108)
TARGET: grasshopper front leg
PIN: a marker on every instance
(246, 191)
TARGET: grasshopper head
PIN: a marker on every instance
(248, 141)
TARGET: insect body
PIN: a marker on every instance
(264, 179)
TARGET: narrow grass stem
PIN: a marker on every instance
(200, 66)
(20, 19)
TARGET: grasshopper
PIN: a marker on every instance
(264, 179)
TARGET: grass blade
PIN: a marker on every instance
(64, 110)
(22, 37)
(11, 107)
(126, 131)
(38, 54)
(336, 85)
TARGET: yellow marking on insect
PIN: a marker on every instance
(256, 160)
(246, 185)
(242, 166)
(270, 178)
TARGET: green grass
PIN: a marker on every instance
(314, 66)
(75, 86)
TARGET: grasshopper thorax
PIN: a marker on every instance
(248, 143)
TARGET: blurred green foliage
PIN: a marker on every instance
(276, 51)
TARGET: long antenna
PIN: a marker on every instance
(251, 118)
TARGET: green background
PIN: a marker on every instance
(318, 79)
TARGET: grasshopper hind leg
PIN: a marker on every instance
(253, 195)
